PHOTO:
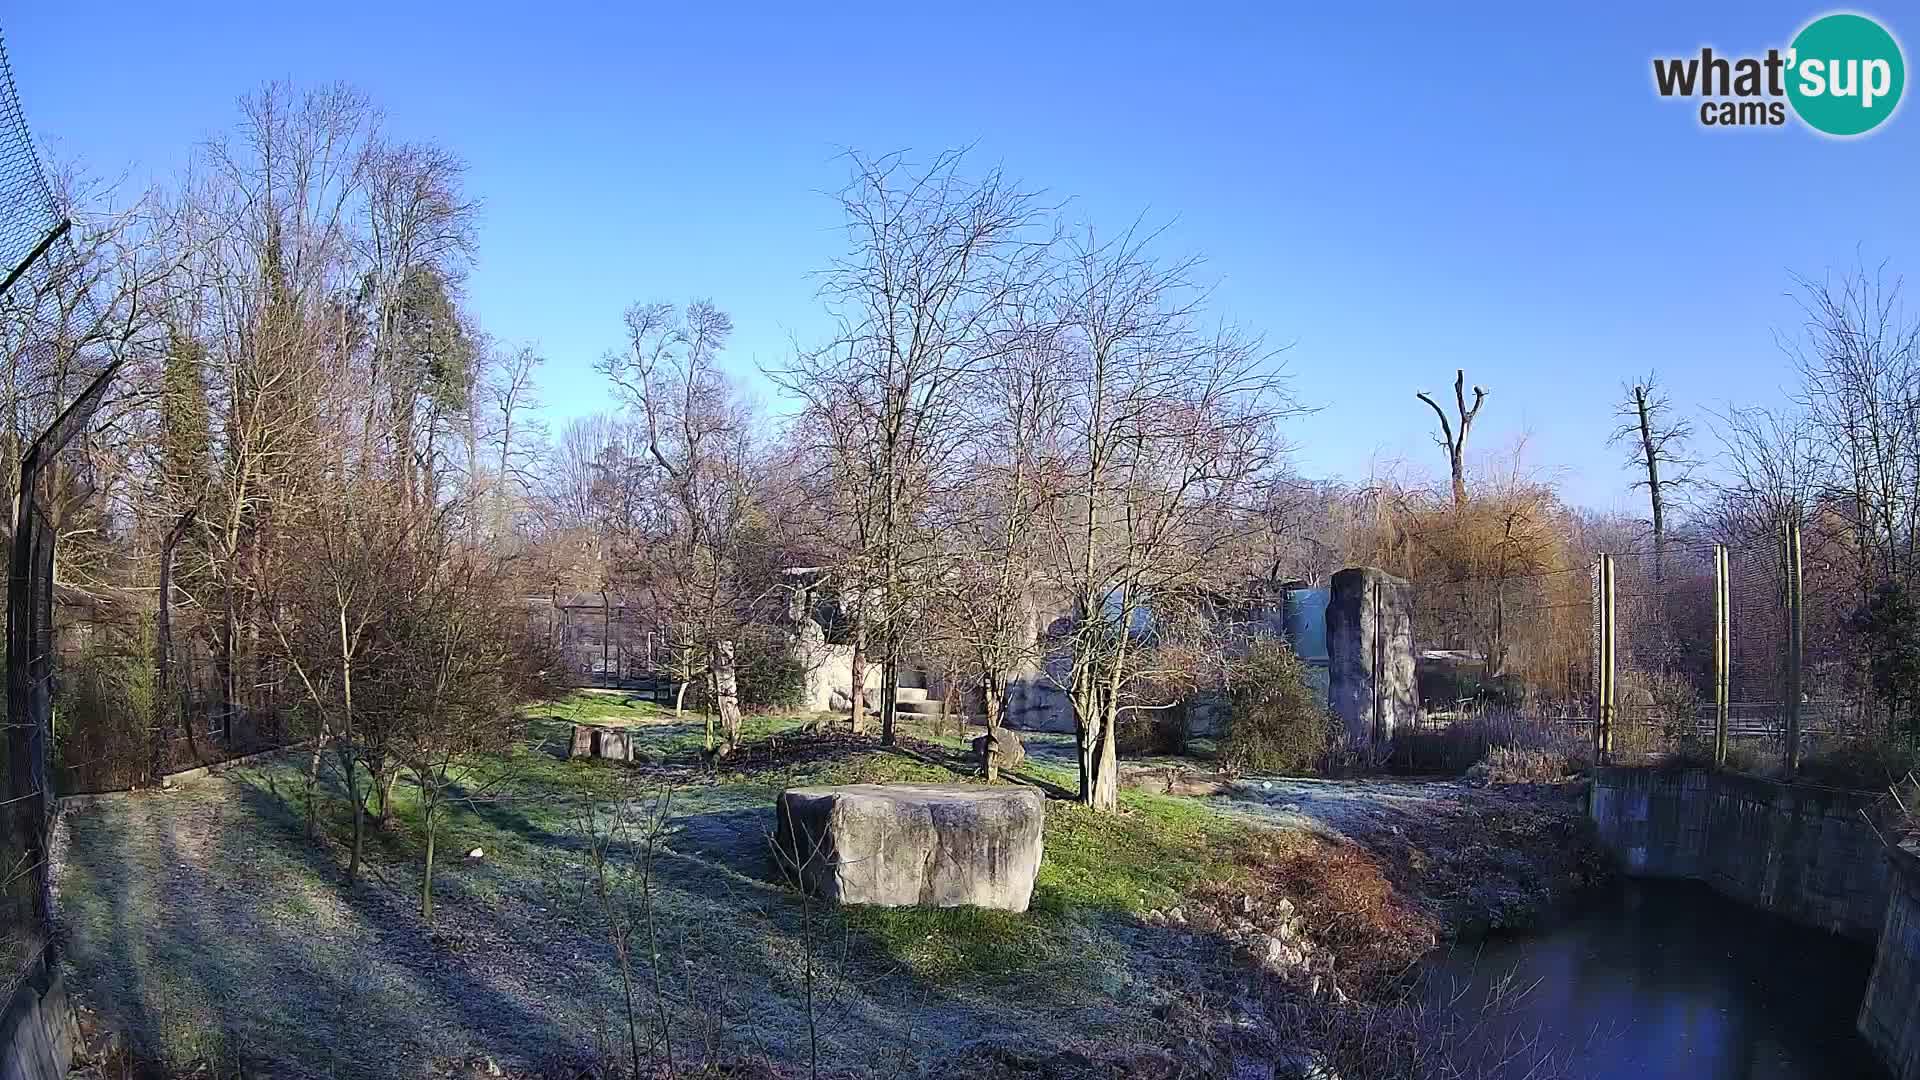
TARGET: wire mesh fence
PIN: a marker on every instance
(104, 709)
(1747, 653)
(1793, 683)
(55, 364)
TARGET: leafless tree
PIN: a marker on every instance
(697, 431)
(982, 610)
(934, 259)
(1858, 358)
(515, 437)
(1170, 430)
(1658, 452)
(1455, 445)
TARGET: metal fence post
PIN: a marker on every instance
(1796, 628)
(1603, 727)
(1722, 652)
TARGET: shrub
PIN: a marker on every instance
(1505, 742)
(767, 676)
(103, 705)
(1276, 720)
(1150, 732)
(770, 677)
(1526, 765)
(1869, 764)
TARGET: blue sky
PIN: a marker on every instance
(1397, 190)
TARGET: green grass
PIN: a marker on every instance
(1098, 869)
(657, 733)
(1146, 856)
(601, 707)
(1098, 873)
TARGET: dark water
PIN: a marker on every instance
(1668, 979)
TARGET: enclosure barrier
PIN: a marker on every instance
(52, 384)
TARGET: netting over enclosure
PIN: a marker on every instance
(56, 367)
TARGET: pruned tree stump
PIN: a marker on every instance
(595, 741)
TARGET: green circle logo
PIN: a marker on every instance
(1845, 74)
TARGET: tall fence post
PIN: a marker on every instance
(1603, 726)
(1722, 652)
(1796, 628)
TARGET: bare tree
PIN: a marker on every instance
(698, 437)
(1658, 452)
(1455, 445)
(1858, 357)
(1170, 430)
(982, 613)
(933, 262)
(515, 438)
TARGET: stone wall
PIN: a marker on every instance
(1807, 853)
(37, 1032)
(1890, 1013)
(1370, 655)
(1802, 852)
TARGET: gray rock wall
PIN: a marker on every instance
(1802, 852)
(38, 1032)
(1890, 1013)
(1371, 685)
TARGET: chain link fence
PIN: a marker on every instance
(55, 364)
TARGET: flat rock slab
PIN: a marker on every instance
(925, 845)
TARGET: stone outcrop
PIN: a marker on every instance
(1371, 689)
(927, 845)
(1004, 744)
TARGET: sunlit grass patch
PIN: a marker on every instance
(1146, 856)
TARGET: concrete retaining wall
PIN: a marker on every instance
(1890, 1013)
(1802, 852)
(37, 1032)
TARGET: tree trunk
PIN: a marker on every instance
(859, 672)
(359, 810)
(993, 696)
(1656, 498)
(1086, 720)
(428, 799)
(386, 796)
(163, 696)
(726, 692)
(313, 786)
(1106, 773)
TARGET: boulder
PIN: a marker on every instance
(926, 845)
(1006, 746)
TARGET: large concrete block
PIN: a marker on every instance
(1371, 686)
(927, 845)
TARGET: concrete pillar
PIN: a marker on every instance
(1370, 656)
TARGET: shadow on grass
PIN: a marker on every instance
(240, 938)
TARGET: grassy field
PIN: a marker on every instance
(203, 924)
